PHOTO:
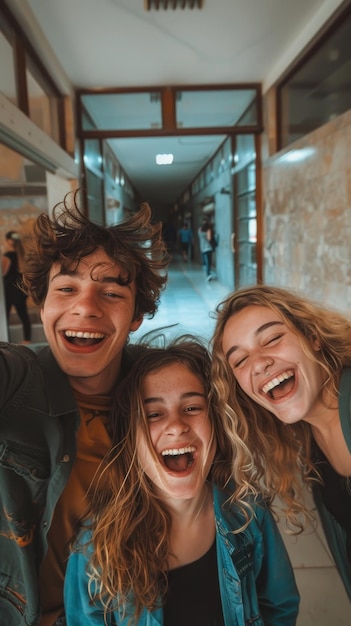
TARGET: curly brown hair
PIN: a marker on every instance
(68, 236)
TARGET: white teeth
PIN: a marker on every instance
(178, 451)
(276, 381)
(83, 335)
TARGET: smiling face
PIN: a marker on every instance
(87, 317)
(176, 410)
(271, 364)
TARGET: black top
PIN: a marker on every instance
(13, 275)
(193, 595)
(336, 493)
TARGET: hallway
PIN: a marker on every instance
(187, 303)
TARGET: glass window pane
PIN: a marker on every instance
(42, 107)
(92, 155)
(320, 89)
(126, 111)
(216, 108)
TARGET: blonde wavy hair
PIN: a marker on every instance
(130, 524)
(274, 457)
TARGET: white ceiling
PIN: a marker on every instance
(117, 43)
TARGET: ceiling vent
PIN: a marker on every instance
(151, 5)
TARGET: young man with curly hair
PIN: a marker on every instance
(93, 285)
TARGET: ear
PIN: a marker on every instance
(136, 323)
(315, 344)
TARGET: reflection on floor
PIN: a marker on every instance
(187, 303)
(186, 306)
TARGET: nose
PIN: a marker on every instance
(261, 365)
(86, 304)
(176, 425)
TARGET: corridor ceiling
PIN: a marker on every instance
(118, 43)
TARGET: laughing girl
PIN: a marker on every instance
(282, 369)
(166, 543)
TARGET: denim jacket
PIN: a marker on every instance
(39, 418)
(257, 583)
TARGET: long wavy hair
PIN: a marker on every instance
(277, 458)
(135, 244)
(130, 523)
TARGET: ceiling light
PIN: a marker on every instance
(164, 159)
(172, 4)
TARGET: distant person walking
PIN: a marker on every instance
(12, 277)
(205, 236)
(186, 239)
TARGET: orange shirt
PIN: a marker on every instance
(93, 441)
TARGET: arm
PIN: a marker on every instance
(276, 587)
(78, 608)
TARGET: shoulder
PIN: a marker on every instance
(84, 538)
(19, 369)
(233, 513)
(16, 354)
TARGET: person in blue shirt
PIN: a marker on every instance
(165, 542)
(186, 239)
(282, 367)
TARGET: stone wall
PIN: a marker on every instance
(307, 212)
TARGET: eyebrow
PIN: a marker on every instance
(188, 394)
(258, 331)
(104, 279)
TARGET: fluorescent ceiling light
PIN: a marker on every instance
(164, 159)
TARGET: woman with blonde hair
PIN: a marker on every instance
(167, 544)
(282, 369)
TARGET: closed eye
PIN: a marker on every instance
(274, 339)
(239, 362)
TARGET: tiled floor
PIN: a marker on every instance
(187, 303)
(185, 306)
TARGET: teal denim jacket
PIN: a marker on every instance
(257, 583)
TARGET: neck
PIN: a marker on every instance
(325, 412)
(189, 512)
(193, 529)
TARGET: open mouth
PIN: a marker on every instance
(280, 386)
(178, 459)
(83, 338)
